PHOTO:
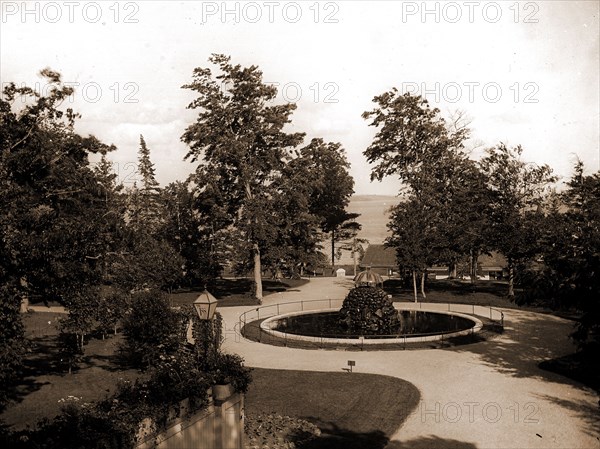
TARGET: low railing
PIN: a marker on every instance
(268, 311)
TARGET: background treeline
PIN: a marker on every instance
(260, 200)
(453, 208)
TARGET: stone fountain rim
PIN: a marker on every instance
(268, 324)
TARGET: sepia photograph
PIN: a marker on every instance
(300, 224)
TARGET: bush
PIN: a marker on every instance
(114, 423)
(367, 310)
(152, 329)
(12, 342)
(111, 310)
(228, 369)
(279, 432)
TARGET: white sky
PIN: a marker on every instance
(524, 72)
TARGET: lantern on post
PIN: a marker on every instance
(205, 305)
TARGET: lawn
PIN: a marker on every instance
(483, 293)
(353, 410)
(235, 292)
(45, 380)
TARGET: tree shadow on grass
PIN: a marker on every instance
(532, 342)
(334, 437)
(528, 339)
(588, 413)
(430, 442)
(456, 287)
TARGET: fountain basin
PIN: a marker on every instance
(297, 326)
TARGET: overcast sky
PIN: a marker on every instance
(525, 72)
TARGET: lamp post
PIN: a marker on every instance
(205, 305)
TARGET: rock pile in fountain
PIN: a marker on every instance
(368, 311)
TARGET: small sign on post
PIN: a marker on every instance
(351, 363)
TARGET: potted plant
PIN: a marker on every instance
(229, 376)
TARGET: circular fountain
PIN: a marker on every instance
(368, 316)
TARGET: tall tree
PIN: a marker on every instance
(146, 167)
(240, 140)
(416, 144)
(52, 206)
(191, 223)
(415, 234)
(517, 189)
(570, 243)
(413, 142)
(143, 202)
(324, 170)
(52, 199)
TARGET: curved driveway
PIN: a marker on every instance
(484, 395)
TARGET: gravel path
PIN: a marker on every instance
(485, 395)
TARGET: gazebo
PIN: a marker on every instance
(368, 278)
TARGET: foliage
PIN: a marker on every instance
(240, 140)
(416, 144)
(228, 369)
(208, 336)
(278, 432)
(413, 141)
(322, 171)
(368, 310)
(12, 342)
(569, 236)
(111, 309)
(147, 263)
(51, 201)
(191, 227)
(114, 423)
(152, 329)
(516, 191)
(56, 226)
(143, 208)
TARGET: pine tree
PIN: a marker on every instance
(146, 168)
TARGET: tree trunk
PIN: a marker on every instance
(511, 279)
(452, 270)
(414, 274)
(423, 284)
(333, 252)
(474, 259)
(257, 275)
(354, 254)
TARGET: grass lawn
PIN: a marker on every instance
(483, 293)
(353, 410)
(235, 292)
(46, 380)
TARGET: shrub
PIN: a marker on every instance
(279, 432)
(111, 310)
(152, 329)
(367, 310)
(12, 342)
(114, 422)
(229, 369)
